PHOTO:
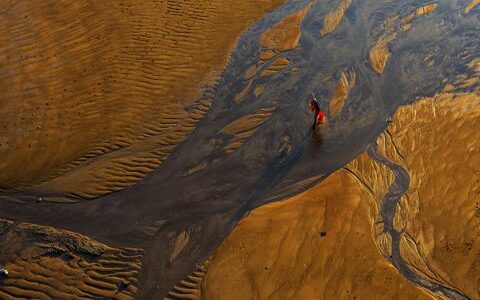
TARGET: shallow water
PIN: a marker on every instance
(210, 202)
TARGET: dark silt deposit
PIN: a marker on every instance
(208, 203)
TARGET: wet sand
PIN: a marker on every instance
(317, 245)
(439, 213)
(46, 263)
(251, 143)
(97, 95)
(412, 200)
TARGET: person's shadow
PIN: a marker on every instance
(317, 135)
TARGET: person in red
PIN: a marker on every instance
(319, 117)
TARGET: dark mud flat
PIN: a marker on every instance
(205, 205)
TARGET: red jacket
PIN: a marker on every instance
(320, 116)
(319, 113)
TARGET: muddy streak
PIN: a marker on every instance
(208, 203)
(388, 209)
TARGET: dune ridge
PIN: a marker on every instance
(126, 166)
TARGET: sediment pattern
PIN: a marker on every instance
(438, 250)
(130, 164)
(285, 35)
(242, 129)
(471, 5)
(320, 238)
(45, 263)
(333, 18)
(279, 39)
(392, 27)
(345, 84)
(275, 67)
(422, 140)
(379, 53)
(197, 192)
(282, 37)
(191, 286)
(103, 88)
(426, 9)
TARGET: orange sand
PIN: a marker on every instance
(96, 91)
(242, 129)
(317, 245)
(424, 10)
(285, 35)
(333, 18)
(471, 5)
(379, 53)
(282, 36)
(45, 263)
(345, 84)
(442, 162)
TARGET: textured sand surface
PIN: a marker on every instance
(192, 286)
(471, 5)
(275, 41)
(45, 263)
(100, 93)
(345, 84)
(285, 35)
(333, 18)
(331, 237)
(436, 141)
(243, 128)
(426, 9)
(317, 245)
(379, 54)
(390, 30)
(215, 153)
(334, 232)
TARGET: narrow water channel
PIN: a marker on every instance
(387, 211)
